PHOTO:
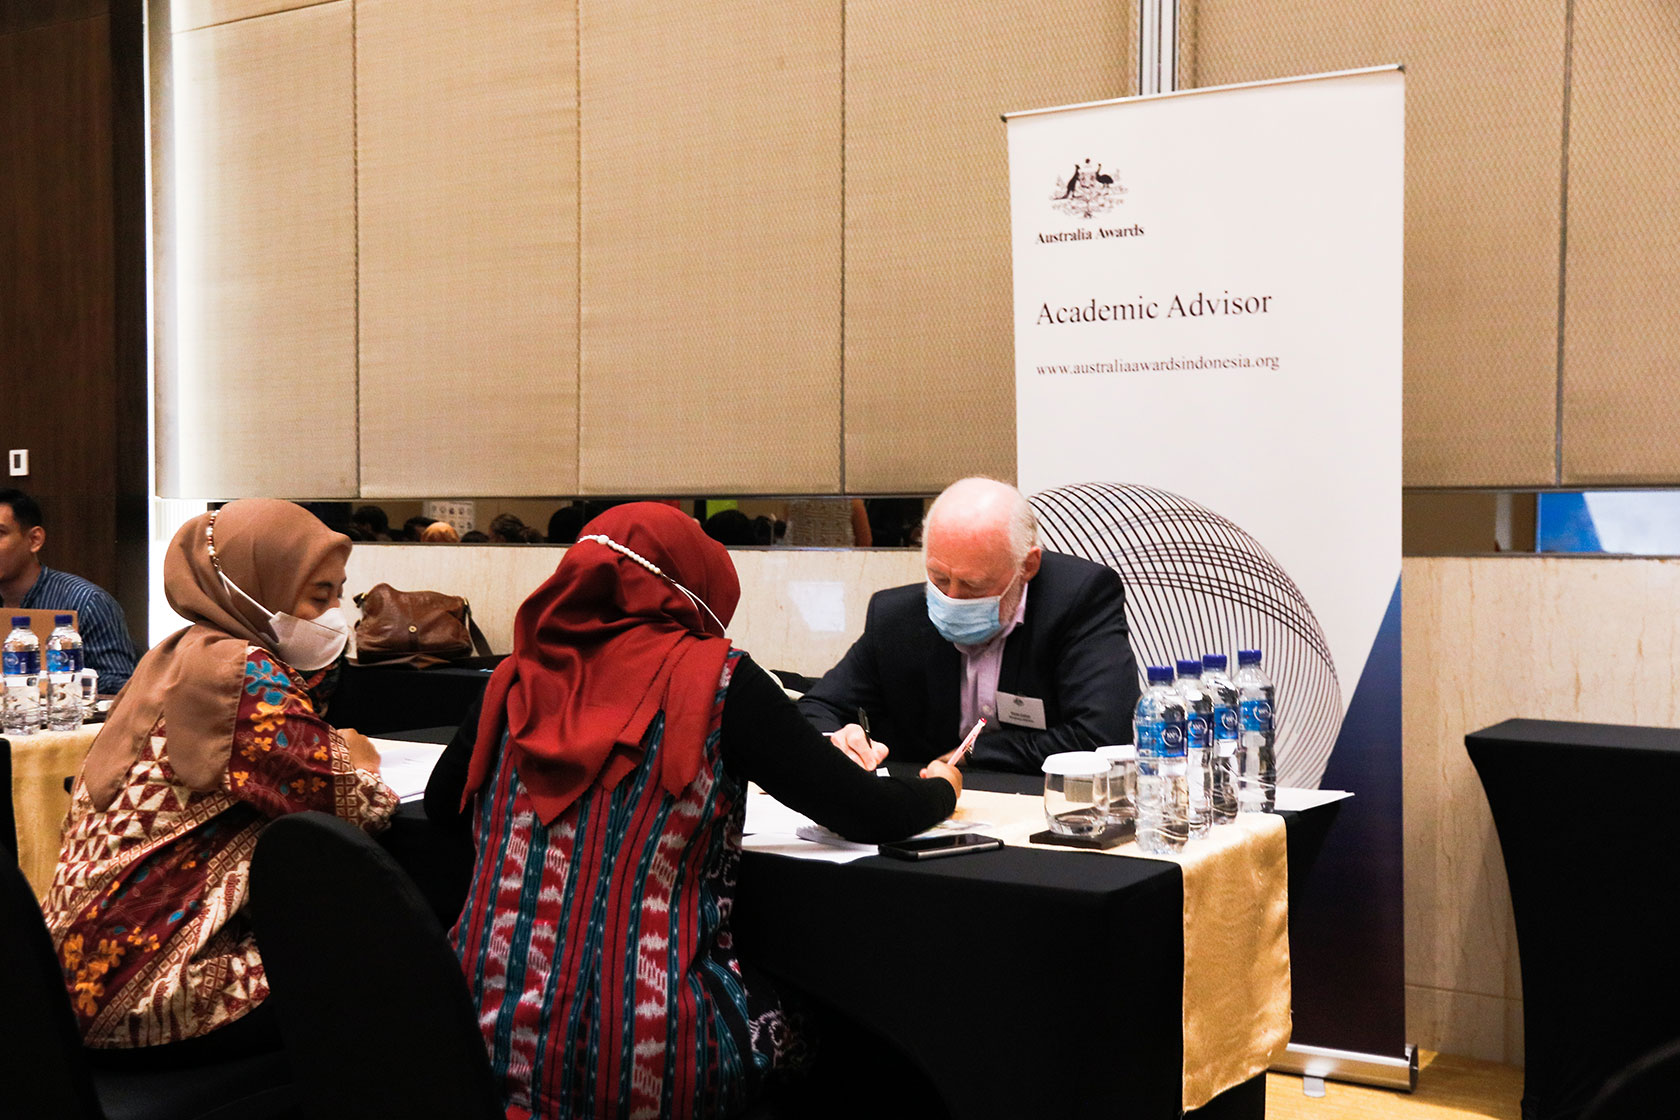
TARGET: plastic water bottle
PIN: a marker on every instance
(64, 669)
(1163, 787)
(1223, 690)
(1198, 744)
(1256, 746)
(22, 665)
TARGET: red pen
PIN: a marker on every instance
(967, 743)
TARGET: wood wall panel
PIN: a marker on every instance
(265, 397)
(1484, 128)
(467, 162)
(1621, 370)
(69, 382)
(189, 15)
(929, 347)
(710, 155)
(24, 15)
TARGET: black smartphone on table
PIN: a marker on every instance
(937, 847)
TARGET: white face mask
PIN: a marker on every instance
(310, 643)
(303, 643)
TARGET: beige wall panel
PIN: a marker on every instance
(467, 145)
(1484, 126)
(1488, 639)
(1621, 369)
(930, 351)
(188, 15)
(266, 256)
(711, 247)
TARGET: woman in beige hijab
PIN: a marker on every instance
(219, 731)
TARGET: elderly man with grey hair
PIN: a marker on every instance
(1034, 642)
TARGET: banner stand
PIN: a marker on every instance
(1208, 329)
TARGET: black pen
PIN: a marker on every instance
(863, 722)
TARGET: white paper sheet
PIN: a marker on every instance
(406, 767)
(1292, 800)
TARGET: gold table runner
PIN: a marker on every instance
(40, 763)
(1236, 936)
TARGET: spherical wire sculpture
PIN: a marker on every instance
(1195, 584)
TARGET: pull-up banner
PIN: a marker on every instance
(1208, 394)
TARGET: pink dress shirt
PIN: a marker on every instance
(981, 665)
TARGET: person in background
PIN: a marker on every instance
(730, 527)
(373, 521)
(219, 732)
(565, 524)
(1034, 642)
(414, 527)
(440, 532)
(27, 583)
(474, 536)
(507, 528)
(862, 535)
(605, 780)
(895, 522)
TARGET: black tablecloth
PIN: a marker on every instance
(1015, 983)
(1585, 815)
(378, 701)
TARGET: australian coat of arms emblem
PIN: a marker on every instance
(1087, 191)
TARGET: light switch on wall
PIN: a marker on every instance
(17, 462)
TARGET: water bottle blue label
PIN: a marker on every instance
(1224, 722)
(21, 663)
(1256, 715)
(1198, 732)
(1172, 738)
(1148, 735)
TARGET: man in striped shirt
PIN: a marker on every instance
(27, 583)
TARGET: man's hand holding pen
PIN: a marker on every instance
(859, 747)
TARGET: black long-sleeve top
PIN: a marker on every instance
(765, 740)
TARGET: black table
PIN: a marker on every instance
(1585, 815)
(1020, 982)
(1014, 983)
(379, 700)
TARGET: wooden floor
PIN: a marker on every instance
(1448, 1089)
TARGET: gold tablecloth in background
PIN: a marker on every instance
(1236, 936)
(40, 763)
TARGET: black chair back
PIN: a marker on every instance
(38, 1034)
(372, 1003)
(1646, 1089)
(8, 815)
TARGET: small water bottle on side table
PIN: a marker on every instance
(22, 665)
(1256, 745)
(1163, 786)
(64, 676)
(1225, 777)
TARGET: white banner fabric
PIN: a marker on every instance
(1208, 301)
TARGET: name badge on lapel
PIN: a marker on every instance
(1022, 711)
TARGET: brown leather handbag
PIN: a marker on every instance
(421, 629)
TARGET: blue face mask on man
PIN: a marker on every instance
(964, 622)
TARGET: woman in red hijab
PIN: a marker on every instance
(607, 789)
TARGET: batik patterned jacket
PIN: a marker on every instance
(146, 907)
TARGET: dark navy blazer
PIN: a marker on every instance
(1071, 651)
